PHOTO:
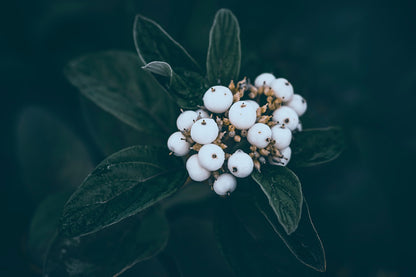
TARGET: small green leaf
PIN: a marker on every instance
(153, 43)
(316, 146)
(284, 192)
(159, 68)
(122, 185)
(186, 87)
(224, 49)
(115, 82)
(44, 225)
(111, 251)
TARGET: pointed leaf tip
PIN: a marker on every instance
(224, 49)
(153, 43)
(283, 190)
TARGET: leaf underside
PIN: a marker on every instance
(185, 87)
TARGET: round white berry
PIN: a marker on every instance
(282, 135)
(287, 116)
(259, 135)
(204, 131)
(218, 99)
(186, 120)
(202, 113)
(225, 183)
(299, 128)
(253, 103)
(282, 89)
(211, 157)
(242, 115)
(178, 145)
(264, 79)
(240, 164)
(195, 170)
(298, 104)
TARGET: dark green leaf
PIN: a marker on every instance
(316, 146)
(304, 243)
(122, 185)
(186, 87)
(115, 82)
(284, 193)
(252, 208)
(193, 192)
(44, 225)
(224, 49)
(51, 157)
(112, 135)
(173, 67)
(111, 251)
(243, 253)
(153, 43)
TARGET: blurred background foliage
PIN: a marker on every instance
(355, 63)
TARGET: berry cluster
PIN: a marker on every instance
(239, 128)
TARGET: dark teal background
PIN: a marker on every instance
(355, 63)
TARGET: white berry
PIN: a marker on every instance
(242, 115)
(186, 120)
(282, 89)
(195, 170)
(287, 116)
(259, 135)
(202, 113)
(253, 103)
(282, 135)
(204, 131)
(211, 157)
(240, 164)
(297, 103)
(225, 183)
(299, 128)
(218, 99)
(178, 145)
(264, 79)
